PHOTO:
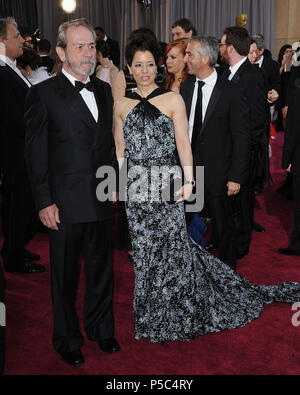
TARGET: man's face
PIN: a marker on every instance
(178, 32)
(253, 53)
(13, 43)
(193, 59)
(79, 57)
(224, 50)
(99, 35)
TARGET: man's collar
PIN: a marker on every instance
(210, 80)
(71, 78)
(8, 61)
(260, 61)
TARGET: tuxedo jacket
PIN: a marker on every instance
(65, 146)
(223, 144)
(13, 91)
(271, 72)
(252, 85)
(48, 63)
(291, 148)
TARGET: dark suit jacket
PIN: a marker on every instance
(114, 51)
(271, 73)
(65, 147)
(48, 63)
(223, 145)
(291, 148)
(13, 91)
(251, 82)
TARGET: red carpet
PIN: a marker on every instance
(265, 346)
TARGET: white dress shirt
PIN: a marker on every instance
(207, 89)
(260, 61)
(13, 64)
(87, 95)
(235, 68)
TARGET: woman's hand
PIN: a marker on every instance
(185, 191)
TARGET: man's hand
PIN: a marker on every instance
(50, 217)
(233, 188)
(272, 96)
(284, 111)
(289, 169)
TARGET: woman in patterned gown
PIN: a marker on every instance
(181, 291)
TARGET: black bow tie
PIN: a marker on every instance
(80, 85)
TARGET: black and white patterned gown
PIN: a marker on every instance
(181, 291)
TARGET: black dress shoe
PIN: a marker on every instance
(31, 256)
(287, 251)
(258, 228)
(211, 246)
(27, 267)
(109, 345)
(73, 358)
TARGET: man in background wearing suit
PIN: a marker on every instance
(69, 136)
(291, 163)
(44, 50)
(113, 45)
(219, 137)
(19, 218)
(234, 50)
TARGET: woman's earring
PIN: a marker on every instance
(131, 76)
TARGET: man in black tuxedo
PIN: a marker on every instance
(291, 163)
(219, 135)
(114, 48)
(269, 67)
(19, 219)
(69, 136)
(44, 50)
(234, 49)
(271, 73)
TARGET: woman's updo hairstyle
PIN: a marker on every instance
(142, 42)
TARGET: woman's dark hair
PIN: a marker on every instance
(143, 31)
(282, 51)
(143, 43)
(29, 58)
(102, 46)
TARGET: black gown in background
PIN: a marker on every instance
(181, 291)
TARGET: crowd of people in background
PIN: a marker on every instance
(269, 94)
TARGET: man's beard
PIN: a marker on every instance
(76, 68)
(225, 58)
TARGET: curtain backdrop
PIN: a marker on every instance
(120, 17)
(25, 12)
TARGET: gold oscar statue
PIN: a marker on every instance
(241, 20)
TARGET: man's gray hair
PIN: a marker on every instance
(209, 46)
(62, 30)
(4, 22)
(260, 41)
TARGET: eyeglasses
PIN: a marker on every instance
(220, 45)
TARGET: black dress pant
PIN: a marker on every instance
(19, 218)
(224, 232)
(245, 201)
(94, 241)
(295, 237)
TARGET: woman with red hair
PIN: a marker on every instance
(176, 68)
